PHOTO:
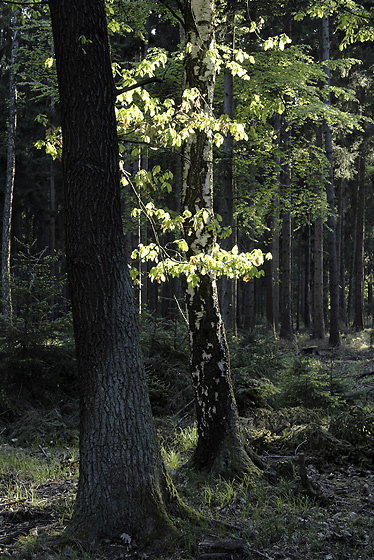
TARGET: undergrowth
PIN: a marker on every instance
(290, 406)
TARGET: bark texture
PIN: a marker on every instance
(219, 448)
(122, 485)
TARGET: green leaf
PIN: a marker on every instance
(182, 244)
(49, 62)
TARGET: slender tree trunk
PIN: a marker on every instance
(286, 326)
(275, 270)
(341, 252)
(10, 174)
(276, 225)
(358, 322)
(318, 314)
(299, 281)
(270, 321)
(286, 323)
(307, 282)
(219, 448)
(122, 486)
(331, 220)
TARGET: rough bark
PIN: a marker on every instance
(122, 484)
(219, 448)
(10, 175)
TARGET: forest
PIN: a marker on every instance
(187, 312)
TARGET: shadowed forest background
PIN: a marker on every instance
(290, 133)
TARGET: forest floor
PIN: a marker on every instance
(315, 500)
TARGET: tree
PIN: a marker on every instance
(122, 483)
(286, 326)
(220, 448)
(331, 220)
(318, 317)
(358, 322)
(10, 173)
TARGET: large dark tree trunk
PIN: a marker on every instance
(122, 484)
(219, 448)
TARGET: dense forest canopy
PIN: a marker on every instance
(274, 93)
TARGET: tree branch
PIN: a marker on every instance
(138, 84)
(178, 17)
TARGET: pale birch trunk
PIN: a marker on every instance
(219, 449)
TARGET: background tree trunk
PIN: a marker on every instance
(225, 197)
(341, 253)
(122, 483)
(358, 322)
(286, 326)
(10, 174)
(331, 220)
(318, 315)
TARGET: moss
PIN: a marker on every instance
(230, 460)
(162, 507)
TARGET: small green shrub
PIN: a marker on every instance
(254, 364)
(40, 313)
(252, 393)
(260, 358)
(355, 425)
(310, 383)
(166, 360)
